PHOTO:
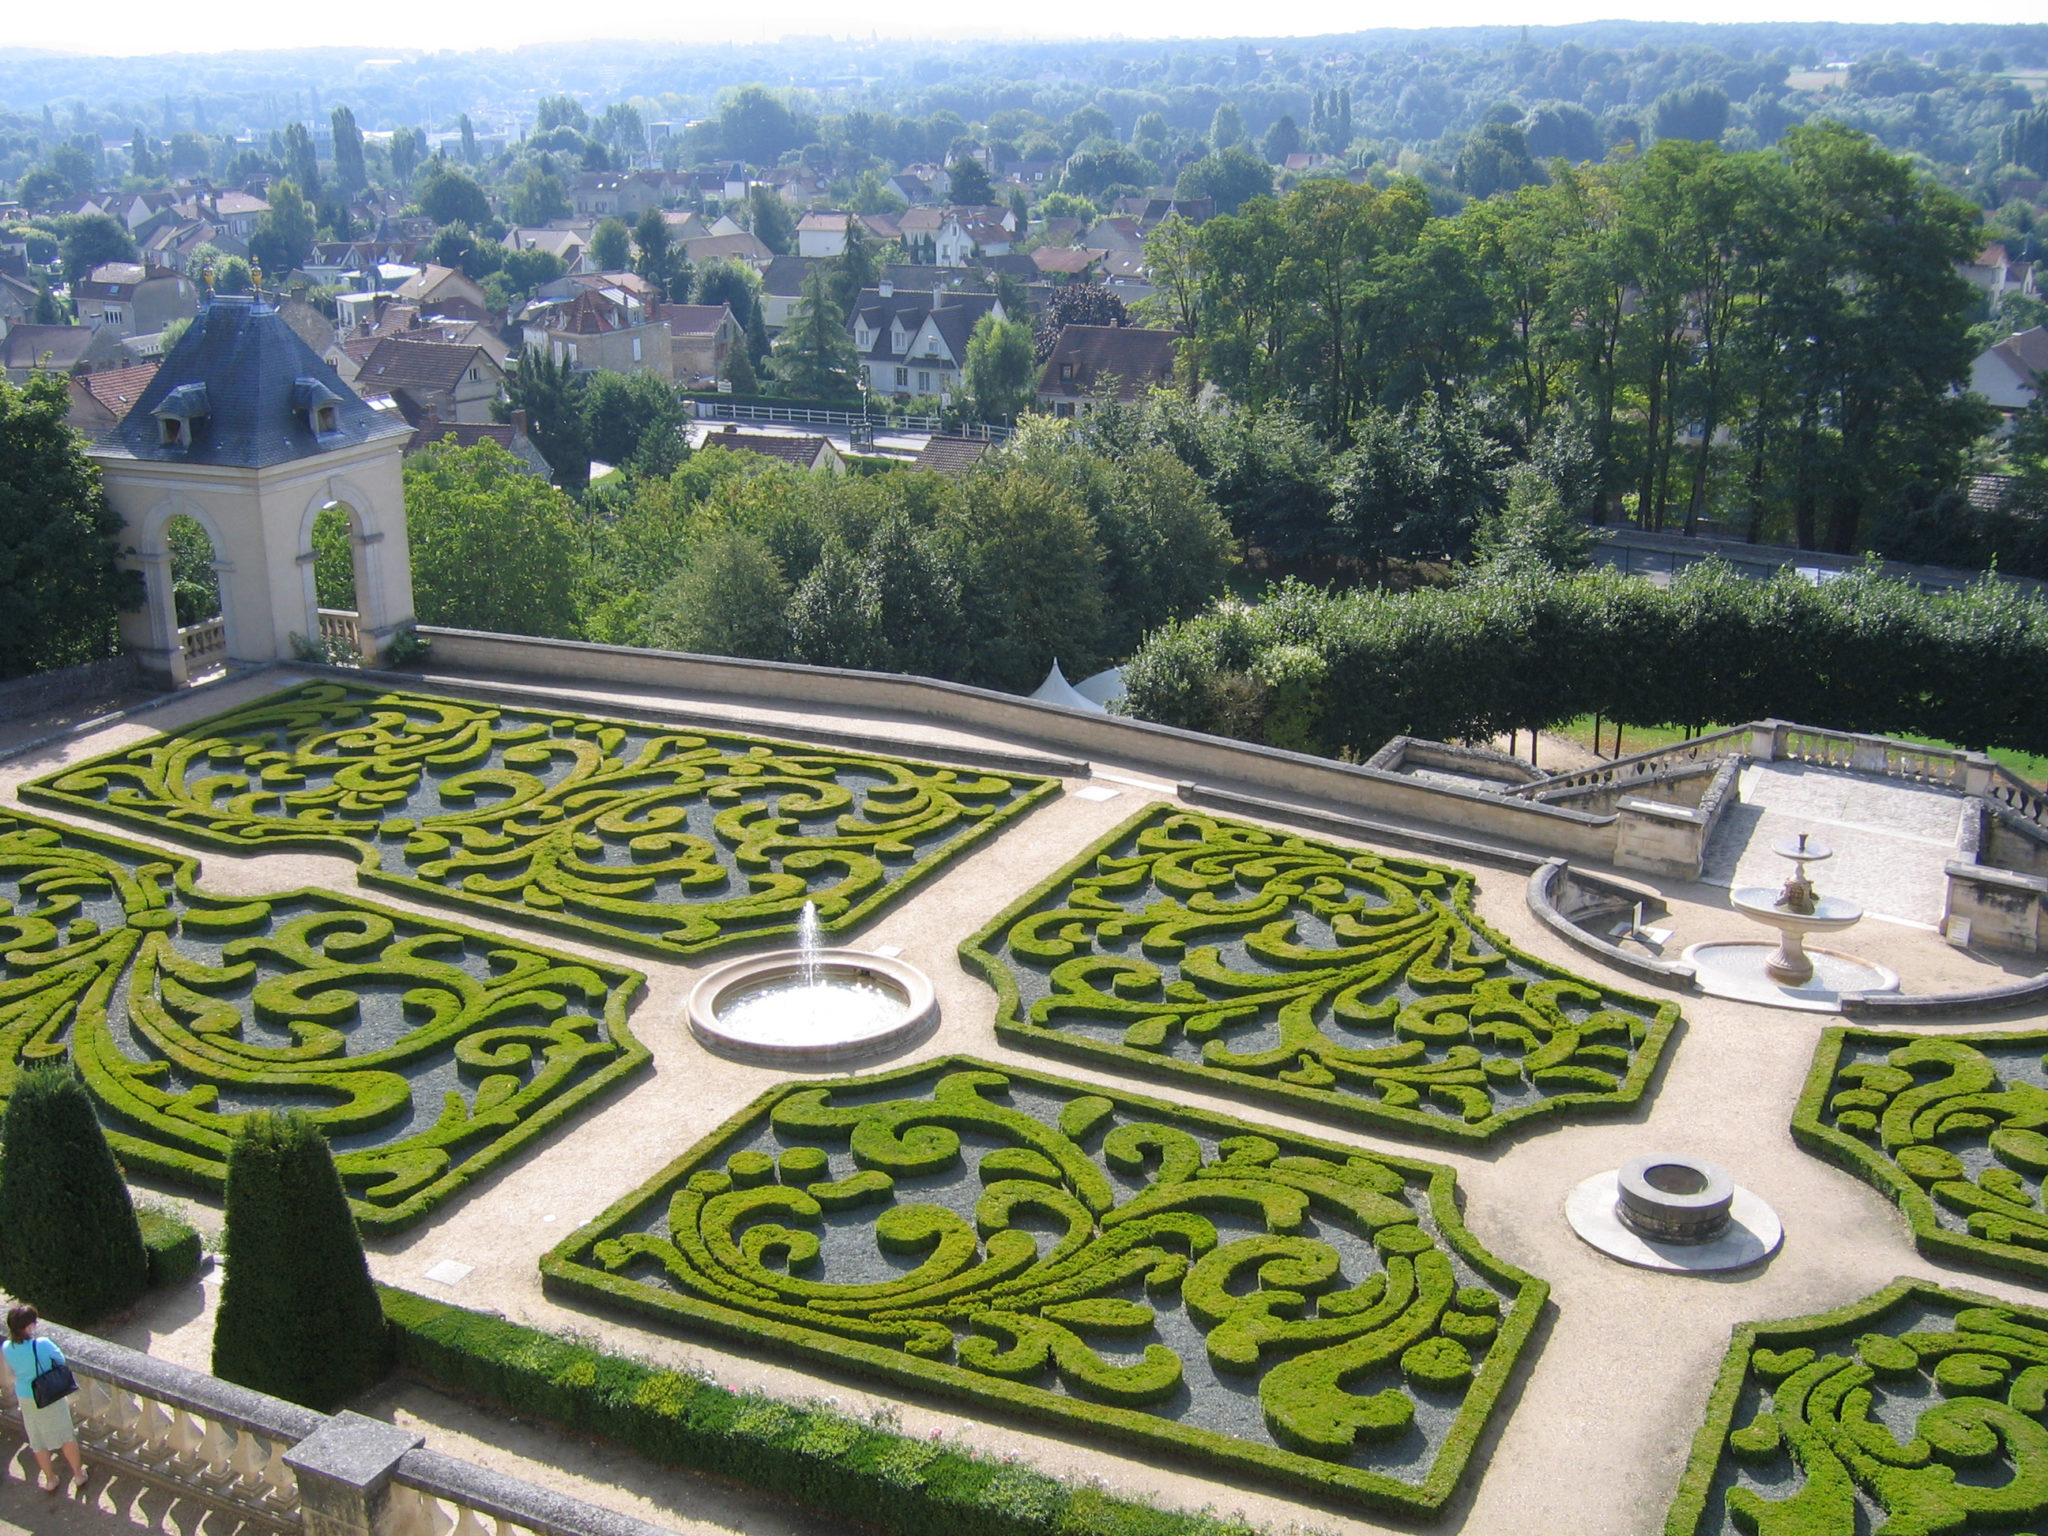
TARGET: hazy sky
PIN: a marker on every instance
(149, 26)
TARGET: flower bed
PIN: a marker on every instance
(1114, 1264)
(677, 840)
(428, 1052)
(1242, 960)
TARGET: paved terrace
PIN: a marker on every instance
(1595, 1431)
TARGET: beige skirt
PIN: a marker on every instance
(48, 1429)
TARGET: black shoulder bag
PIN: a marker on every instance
(53, 1383)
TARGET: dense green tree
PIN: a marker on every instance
(470, 156)
(73, 1251)
(551, 393)
(771, 219)
(493, 547)
(729, 602)
(449, 196)
(814, 356)
(1233, 176)
(1226, 128)
(1495, 159)
(283, 235)
(756, 127)
(301, 159)
(611, 245)
(408, 149)
(299, 1317)
(563, 111)
(623, 412)
(1104, 172)
(1002, 369)
(539, 199)
(970, 183)
(1417, 485)
(1698, 111)
(1281, 140)
(1031, 575)
(92, 240)
(60, 586)
(351, 175)
(658, 259)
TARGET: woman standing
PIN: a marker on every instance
(49, 1429)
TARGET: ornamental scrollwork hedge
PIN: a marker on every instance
(1242, 1296)
(1954, 1128)
(426, 1051)
(1354, 985)
(674, 839)
(1918, 1411)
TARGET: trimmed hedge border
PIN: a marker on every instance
(1835, 1115)
(505, 836)
(818, 1457)
(300, 955)
(1308, 1412)
(1061, 925)
(1984, 1378)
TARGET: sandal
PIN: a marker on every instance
(47, 1481)
(78, 1478)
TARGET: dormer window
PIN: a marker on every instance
(317, 406)
(177, 412)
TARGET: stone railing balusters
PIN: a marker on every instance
(279, 1468)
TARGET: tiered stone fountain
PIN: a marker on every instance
(1787, 974)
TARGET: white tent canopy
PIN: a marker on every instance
(1104, 688)
(1057, 690)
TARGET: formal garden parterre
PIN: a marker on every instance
(1242, 1296)
(1951, 1127)
(426, 1051)
(1359, 986)
(1913, 1412)
(675, 840)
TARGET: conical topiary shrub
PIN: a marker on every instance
(69, 1243)
(299, 1318)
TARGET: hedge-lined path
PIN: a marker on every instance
(1595, 1433)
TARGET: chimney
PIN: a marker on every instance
(888, 289)
(518, 424)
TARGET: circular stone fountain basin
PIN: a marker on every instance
(760, 1009)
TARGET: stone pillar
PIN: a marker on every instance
(344, 1470)
(150, 633)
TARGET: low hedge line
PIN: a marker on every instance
(829, 1461)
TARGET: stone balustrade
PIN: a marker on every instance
(204, 643)
(277, 1467)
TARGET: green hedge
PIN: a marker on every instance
(825, 1460)
(1895, 1109)
(725, 1240)
(513, 810)
(1341, 674)
(172, 1244)
(252, 997)
(1439, 1025)
(1797, 1439)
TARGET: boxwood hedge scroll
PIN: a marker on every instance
(1949, 1126)
(1113, 1263)
(427, 1052)
(1351, 984)
(1915, 1412)
(679, 840)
